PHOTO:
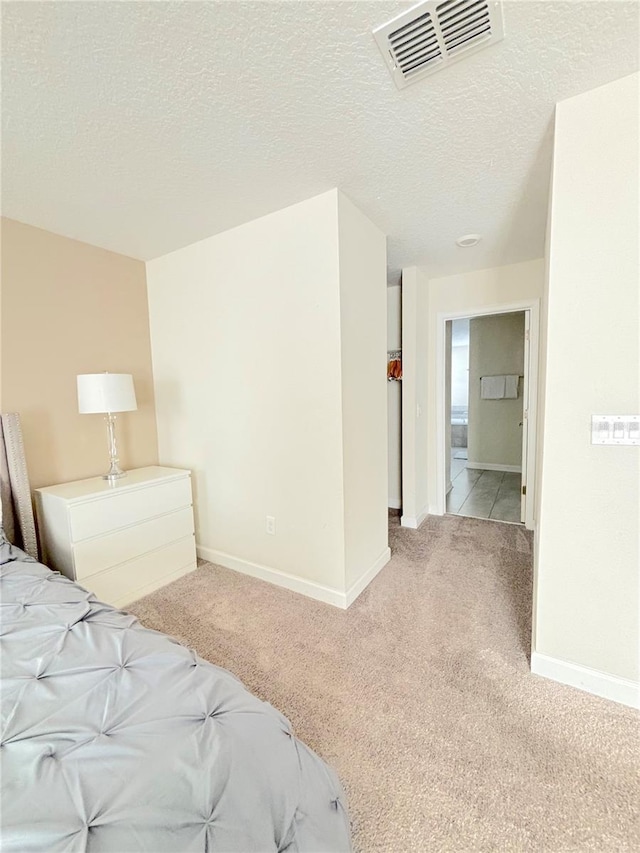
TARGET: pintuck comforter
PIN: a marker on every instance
(117, 738)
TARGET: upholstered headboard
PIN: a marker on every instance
(17, 510)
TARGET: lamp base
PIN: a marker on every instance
(114, 476)
(115, 472)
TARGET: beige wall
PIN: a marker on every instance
(394, 399)
(249, 353)
(70, 308)
(496, 347)
(588, 558)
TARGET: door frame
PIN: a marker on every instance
(530, 405)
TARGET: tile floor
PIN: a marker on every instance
(483, 494)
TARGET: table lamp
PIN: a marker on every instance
(107, 393)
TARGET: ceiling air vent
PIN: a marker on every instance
(437, 33)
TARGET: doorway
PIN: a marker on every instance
(485, 414)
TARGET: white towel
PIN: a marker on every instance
(511, 387)
(492, 387)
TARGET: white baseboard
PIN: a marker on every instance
(305, 587)
(395, 503)
(354, 591)
(274, 576)
(490, 466)
(602, 684)
(414, 523)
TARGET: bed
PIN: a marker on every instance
(117, 738)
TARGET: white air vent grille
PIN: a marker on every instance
(415, 45)
(437, 33)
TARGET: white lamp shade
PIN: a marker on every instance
(106, 392)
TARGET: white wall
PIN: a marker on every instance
(394, 399)
(496, 348)
(414, 396)
(467, 293)
(460, 375)
(542, 386)
(248, 359)
(588, 560)
(363, 337)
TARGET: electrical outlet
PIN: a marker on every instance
(271, 525)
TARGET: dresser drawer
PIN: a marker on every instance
(119, 585)
(103, 552)
(122, 509)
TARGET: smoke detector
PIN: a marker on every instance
(468, 240)
(435, 34)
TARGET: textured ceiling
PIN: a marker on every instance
(143, 127)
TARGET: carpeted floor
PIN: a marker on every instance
(420, 696)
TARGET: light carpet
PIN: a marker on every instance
(420, 696)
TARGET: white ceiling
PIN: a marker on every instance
(145, 126)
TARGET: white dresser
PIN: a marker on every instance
(121, 540)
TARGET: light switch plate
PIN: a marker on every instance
(615, 429)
